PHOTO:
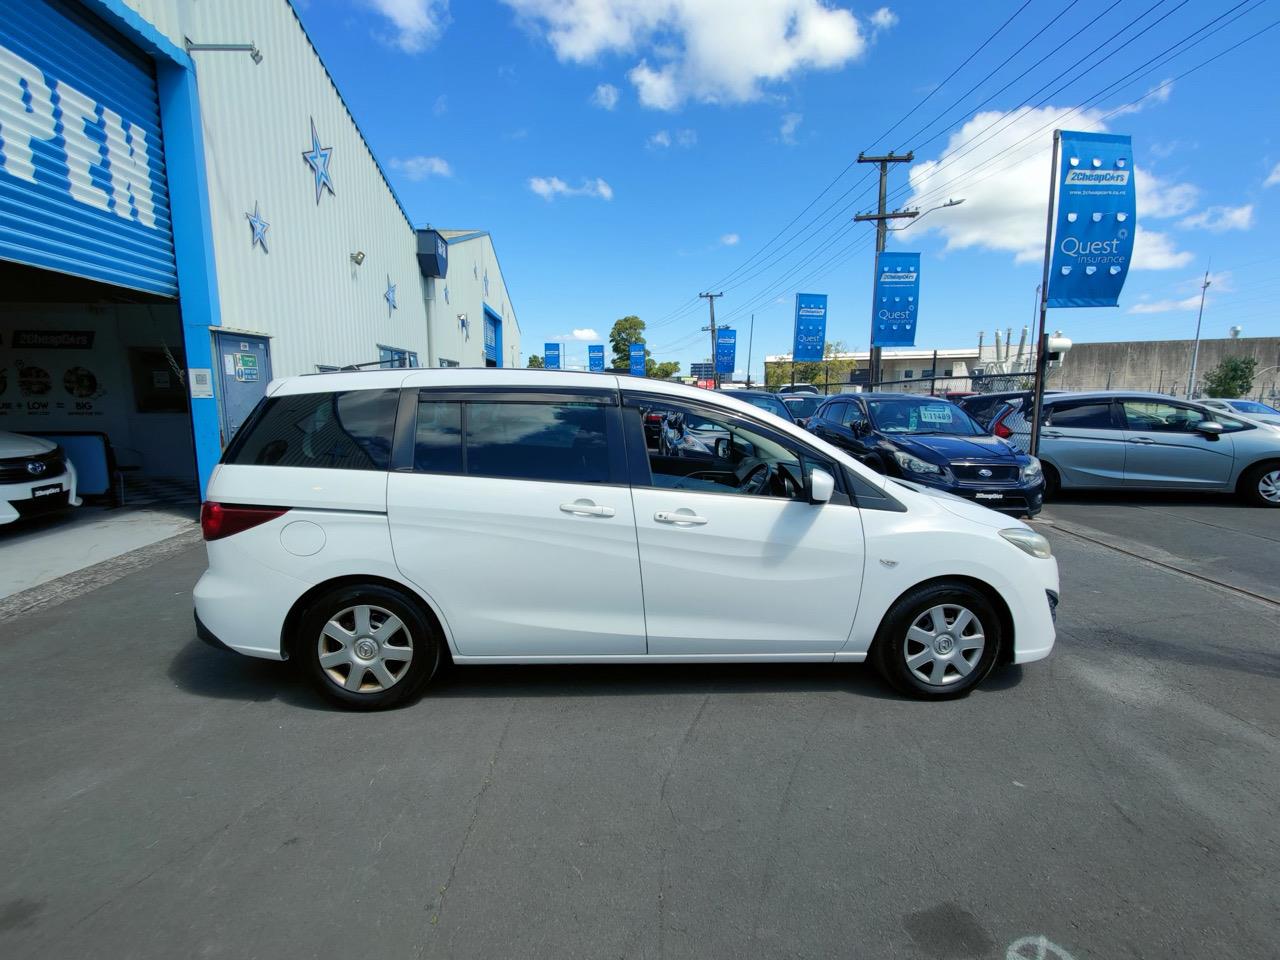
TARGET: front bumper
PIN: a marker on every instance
(38, 496)
(1016, 501)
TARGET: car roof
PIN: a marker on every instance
(1114, 394)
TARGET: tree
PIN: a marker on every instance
(1233, 377)
(536, 361)
(625, 332)
(660, 371)
(830, 371)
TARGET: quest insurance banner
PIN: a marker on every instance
(551, 356)
(636, 357)
(595, 357)
(726, 351)
(1097, 215)
(811, 327)
(897, 299)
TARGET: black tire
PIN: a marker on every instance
(417, 632)
(1052, 480)
(893, 646)
(1250, 486)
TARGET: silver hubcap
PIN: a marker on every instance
(1269, 486)
(365, 649)
(944, 644)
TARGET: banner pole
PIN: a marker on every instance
(1037, 392)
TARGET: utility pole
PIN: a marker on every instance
(881, 217)
(751, 333)
(715, 370)
(1042, 355)
(1195, 350)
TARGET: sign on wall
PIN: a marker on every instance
(726, 351)
(551, 356)
(595, 357)
(897, 299)
(1097, 212)
(637, 357)
(82, 177)
(811, 327)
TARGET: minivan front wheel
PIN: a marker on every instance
(938, 641)
(367, 647)
(1260, 485)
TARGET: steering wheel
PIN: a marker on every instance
(756, 479)
(791, 485)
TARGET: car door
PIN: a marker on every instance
(511, 510)
(835, 425)
(1085, 441)
(727, 571)
(1165, 451)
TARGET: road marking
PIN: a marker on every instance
(1038, 947)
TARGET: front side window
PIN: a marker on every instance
(1081, 416)
(702, 450)
(1154, 416)
(349, 430)
(920, 415)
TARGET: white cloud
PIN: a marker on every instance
(420, 167)
(664, 138)
(1166, 306)
(417, 23)
(730, 239)
(660, 140)
(883, 19)
(580, 333)
(686, 138)
(441, 106)
(1218, 283)
(1220, 219)
(548, 188)
(605, 96)
(1002, 180)
(790, 124)
(1273, 177)
(713, 51)
(1160, 93)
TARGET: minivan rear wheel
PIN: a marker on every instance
(367, 646)
(938, 641)
(1260, 484)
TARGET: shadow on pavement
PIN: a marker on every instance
(205, 672)
(1146, 498)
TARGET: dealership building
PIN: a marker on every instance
(188, 209)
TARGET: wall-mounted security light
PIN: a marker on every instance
(358, 257)
(250, 48)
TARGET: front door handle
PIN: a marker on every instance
(681, 517)
(586, 508)
(1143, 440)
(1052, 434)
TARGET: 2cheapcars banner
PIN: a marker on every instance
(726, 351)
(595, 357)
(1097, 213)
(811, 327)
(551, 356)
(897, 299)
(636, 356)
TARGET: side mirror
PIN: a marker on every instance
(723, 448)
(800, 421)
(821, 485)
(859, 427)
(1210, 428)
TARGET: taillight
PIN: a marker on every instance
(999, 429)
(218, 520)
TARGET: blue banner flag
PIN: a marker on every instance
(1097, 215)
(637, 359)
(595, 357)
(897, 299)
(726, 351)
(811, 327)
(551, 356)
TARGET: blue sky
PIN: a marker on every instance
(627, 154)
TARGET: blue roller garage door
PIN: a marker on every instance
(82, 179)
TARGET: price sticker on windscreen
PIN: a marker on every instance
(935, 414)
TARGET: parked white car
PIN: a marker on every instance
(369, 524)
(35, 477)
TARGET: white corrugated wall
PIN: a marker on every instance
(469, 262)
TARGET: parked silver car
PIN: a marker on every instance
(1249, 409)
(1147, 441)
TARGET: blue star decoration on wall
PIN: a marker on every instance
(390, 296)
(259, 228)
(446, 293)
(486, 282)
(318, 160)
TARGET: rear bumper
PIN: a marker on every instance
(208, 636)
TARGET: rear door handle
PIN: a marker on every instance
(1143, 440)
(586, 508)
(1052, 434)
(682, 517)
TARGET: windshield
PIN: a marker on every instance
(921, 415)
(765, 401)
(1252, 406)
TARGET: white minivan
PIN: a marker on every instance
(370, 524)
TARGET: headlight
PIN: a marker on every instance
(914, 464)
(1028, 541)
(1032, 471)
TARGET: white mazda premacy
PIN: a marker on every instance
(368, 524)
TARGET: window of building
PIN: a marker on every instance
(349, 430)
(908, 374)
(395, 357)
(947, 371)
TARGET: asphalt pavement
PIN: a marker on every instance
(161, 799)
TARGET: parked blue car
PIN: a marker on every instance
(933, 442)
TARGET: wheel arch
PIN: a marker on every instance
(1247, 470)
(289, 629)
(991, 594)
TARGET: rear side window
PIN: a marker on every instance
(1086, 416)
(350, 430)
